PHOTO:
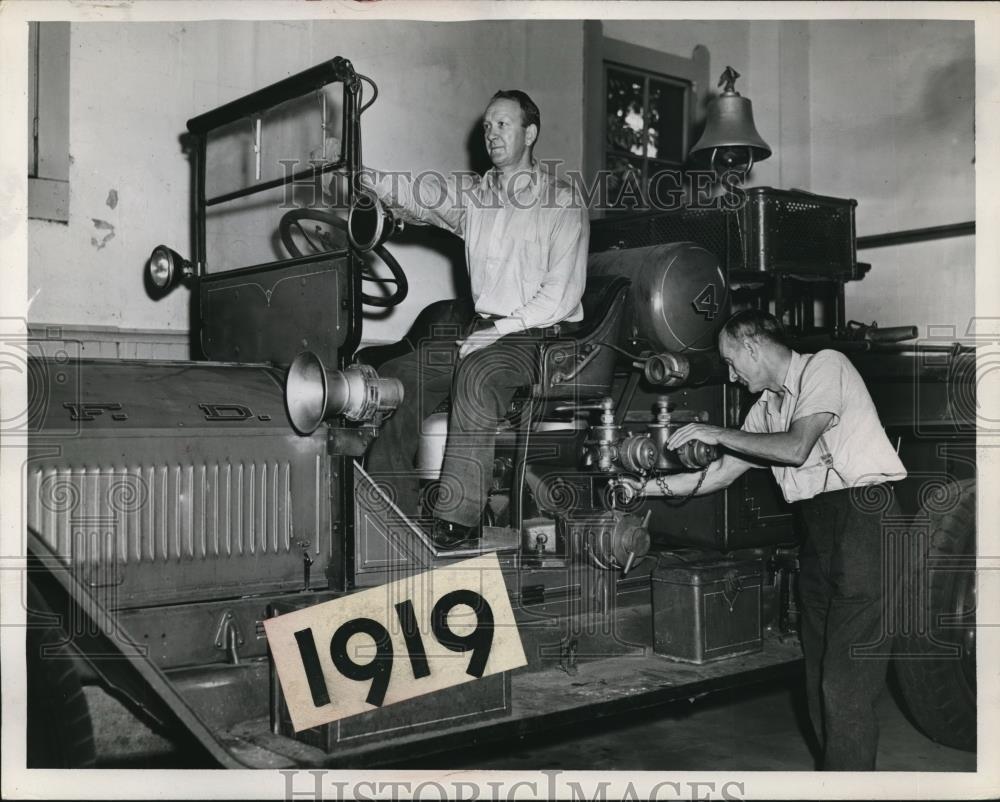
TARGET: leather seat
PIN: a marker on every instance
(582, 366)
(574, 366)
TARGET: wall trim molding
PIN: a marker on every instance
(113, 342)
(110, 342)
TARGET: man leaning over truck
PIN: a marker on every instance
(816, 427)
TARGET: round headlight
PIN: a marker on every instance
(161, 266)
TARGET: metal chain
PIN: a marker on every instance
(668, 493)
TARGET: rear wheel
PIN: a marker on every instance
(59, 730)
(939, 689)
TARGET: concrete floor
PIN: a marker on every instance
(758, 729)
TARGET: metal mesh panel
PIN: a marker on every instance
(802, 234)
(776, 230)
(706, 227)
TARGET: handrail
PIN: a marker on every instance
(916, 235)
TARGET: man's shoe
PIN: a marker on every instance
(450, 536)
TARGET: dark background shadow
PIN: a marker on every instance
(475, 148)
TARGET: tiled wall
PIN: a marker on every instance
(108, 342)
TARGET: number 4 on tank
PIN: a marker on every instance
(705, 302)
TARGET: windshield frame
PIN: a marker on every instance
(336, 70)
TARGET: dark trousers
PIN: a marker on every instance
(847, 587)
(481, 387)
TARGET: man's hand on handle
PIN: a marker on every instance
(705, 432)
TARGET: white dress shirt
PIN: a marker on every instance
(526, 250)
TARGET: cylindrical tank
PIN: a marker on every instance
(679, 294)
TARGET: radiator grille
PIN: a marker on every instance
(165, 513)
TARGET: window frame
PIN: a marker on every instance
(647, 77)
(48, 121)
(599, 49)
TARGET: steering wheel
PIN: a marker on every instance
(290, 221)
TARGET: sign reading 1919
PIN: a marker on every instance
(404, 639)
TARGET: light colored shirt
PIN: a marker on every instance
(852, 451)
(526, 255)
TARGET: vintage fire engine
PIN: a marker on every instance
(174, 506)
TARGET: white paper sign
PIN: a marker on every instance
(376, 647)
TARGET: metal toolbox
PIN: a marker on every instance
(707, 611)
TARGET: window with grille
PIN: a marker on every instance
(647, 122)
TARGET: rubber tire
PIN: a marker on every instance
(60, 733)
(938, 693)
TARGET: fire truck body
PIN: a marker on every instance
(172, 507)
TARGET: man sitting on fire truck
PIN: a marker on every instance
(816, 427)
(526, 235)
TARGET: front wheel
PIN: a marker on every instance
(59, 730)
(940, 689)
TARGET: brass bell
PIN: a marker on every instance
(730, 140)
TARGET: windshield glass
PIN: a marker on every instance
(280, 142)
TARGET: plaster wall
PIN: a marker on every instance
(892, 120)
(880, 111)
(134, 86)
